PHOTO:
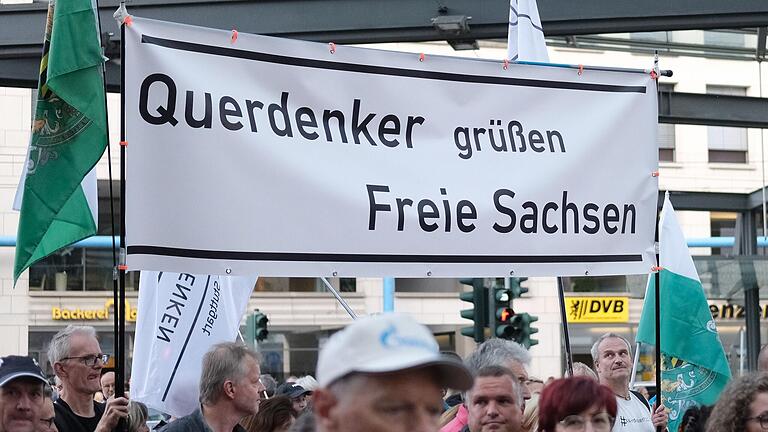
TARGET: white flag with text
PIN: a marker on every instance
(180, 317)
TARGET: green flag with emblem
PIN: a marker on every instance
(694, 369)
(69, 135)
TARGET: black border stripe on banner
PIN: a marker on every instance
(378, 258)
(383, 70)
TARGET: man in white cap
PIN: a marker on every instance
(21, 394)
(384, 373)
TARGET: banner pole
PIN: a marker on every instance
(341, 301)
(657, 287)
(121, 267)
(119, 376)
(566, 335)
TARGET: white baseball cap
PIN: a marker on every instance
(385, 343)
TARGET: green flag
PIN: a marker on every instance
(69, 135)
(694, 369)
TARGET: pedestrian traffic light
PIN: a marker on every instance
(256, 327)
(515, 287)
(521, 329)
(479, 313)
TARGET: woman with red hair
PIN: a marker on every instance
(573, 404)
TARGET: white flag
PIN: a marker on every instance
(525, 40)
(180, 317)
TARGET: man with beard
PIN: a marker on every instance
(77, 360)
(612, 355)
(21, 394)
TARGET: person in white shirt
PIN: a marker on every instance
(612, 355)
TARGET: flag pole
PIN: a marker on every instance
(564, 318)
(657, 280)
(119, 374)
(634, 366)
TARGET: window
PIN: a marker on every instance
(666, 133)
(727, 144)
(722, 225)
(295, 284)
(724, 39)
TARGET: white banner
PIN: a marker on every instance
(180, 317)
(289, 158)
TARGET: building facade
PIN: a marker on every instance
(75, 285)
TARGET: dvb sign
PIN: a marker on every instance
(597, 309)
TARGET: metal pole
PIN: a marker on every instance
(389, 294)
(566, 335)
(492, 308)
(746, 246)
(341, 301)
(632, 378)
(742, 351)
(120, 306)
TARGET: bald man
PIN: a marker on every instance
(108, 385)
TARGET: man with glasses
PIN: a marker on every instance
(613, 360)
(21, 394)
(77, 360)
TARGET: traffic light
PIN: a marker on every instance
(479, 313)
(256, 327)
(502, 311)
(521, 329)
(515, 287)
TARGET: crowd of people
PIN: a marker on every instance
(380, 373)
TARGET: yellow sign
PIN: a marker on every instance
(58, 313)
(597, 309)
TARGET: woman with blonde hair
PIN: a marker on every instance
(137, 417)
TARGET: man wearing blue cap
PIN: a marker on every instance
(21, 394)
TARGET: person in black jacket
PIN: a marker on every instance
(77, 360)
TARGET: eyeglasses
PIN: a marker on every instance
(600, 422)
(91, 359)
(48, 421)
(762, 419)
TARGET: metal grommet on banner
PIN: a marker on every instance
(586, 273)
(332, 47)
(511, 272)
(233, 38)
(581, 69)
(421, 57)
(505, 65)
(655, 174)
(429, 273)
(123, 143)
(228, 271)
(335, 274)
